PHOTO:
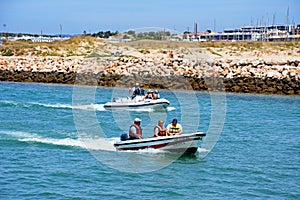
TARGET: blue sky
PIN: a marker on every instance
(75, 16)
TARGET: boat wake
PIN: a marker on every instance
(97, 107)
(89, 144)
(93, 144)
(105, 144)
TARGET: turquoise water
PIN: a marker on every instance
(56, 143)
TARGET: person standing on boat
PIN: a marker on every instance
(175, 128)
(135, 130)
(160, 129)
(136, 90)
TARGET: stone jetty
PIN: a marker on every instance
(161, 69)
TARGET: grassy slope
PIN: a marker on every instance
(87, 46)
(76, 46)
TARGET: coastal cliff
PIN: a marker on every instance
(198, 68)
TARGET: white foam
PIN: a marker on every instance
(86, 143)
(18, 134)
(150, 151)
(58, 105)
(9, 102)
(90, 144)
(99, 107)
(203, 150)
(106, 144)
(63, 142)
(171, 108)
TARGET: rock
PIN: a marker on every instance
(230, 75)
(285, 73)
(292, 74)
(255, 63)
(253, 71)
(270, 74)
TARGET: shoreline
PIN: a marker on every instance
(240, 76)
(240, 85)
(263, 68)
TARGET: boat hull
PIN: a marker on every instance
(123, 104)
(185, 143)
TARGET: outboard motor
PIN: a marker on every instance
(124, 137)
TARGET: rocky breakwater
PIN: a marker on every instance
(250, 75)
(39, 69)
(268, 75)
(161, 70)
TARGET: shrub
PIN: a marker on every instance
(8, 53)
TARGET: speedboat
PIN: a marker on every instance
(137, 102)
(184, 143)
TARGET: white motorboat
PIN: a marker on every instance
(137, 102)
(184, 143)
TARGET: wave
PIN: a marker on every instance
(8, 103)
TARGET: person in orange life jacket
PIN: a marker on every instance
(135, 130)
(174, 128)
(160, 129)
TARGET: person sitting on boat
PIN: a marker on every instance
(156, 94)
(160, 129)
(136, 90)
(174, 128)
(149, 95)
(135, 130)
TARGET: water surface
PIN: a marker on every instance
(45, 154)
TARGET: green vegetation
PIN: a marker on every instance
(151, 35)
(6, 52)
(96, 55)
(103, 34)
(213, 52)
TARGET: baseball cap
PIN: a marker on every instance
(137, 120)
